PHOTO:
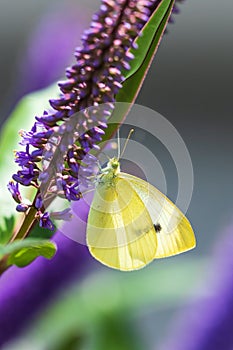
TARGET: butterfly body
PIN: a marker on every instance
(109, 174)
(128, 224)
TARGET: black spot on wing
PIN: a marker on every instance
(157, 227)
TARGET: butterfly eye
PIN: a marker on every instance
(115, 165)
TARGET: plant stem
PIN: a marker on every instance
(3, 264)
(26, 226)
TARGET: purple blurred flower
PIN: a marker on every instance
(52, 41)
(207, 323)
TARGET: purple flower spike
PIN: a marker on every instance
(62, 137)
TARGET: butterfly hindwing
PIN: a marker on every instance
(120, 232)
(174, 232)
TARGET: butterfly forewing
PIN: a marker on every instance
(174, 232)
(120, 232)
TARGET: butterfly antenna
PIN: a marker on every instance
(126, 143)
(118, 144)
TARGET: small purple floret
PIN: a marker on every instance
(22, 207)
(38, 202)
(27, 175)
(46, 222)
(14, 190)
(72, 192)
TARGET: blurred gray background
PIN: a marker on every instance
(189, 83)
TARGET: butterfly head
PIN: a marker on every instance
(114, 165)
(110, 172)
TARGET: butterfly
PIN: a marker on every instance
(131, 223)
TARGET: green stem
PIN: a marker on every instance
(26, 226)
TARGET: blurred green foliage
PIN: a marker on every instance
(6, 229)
(99, 313)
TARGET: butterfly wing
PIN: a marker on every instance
(120, 232)
(174, 232)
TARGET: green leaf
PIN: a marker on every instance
(152, 29)
(6, 229)
(21, 118)
(22, 253)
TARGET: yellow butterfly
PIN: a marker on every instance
(131, 223)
